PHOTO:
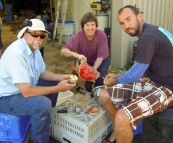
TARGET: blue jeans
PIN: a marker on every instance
(38, 107)
(103, 69)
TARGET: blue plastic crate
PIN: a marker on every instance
(66, 21)
(139, 128)
(14, 129)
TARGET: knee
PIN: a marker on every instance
(46, 103)
(104, 97)
(42, 104)
(121, 120)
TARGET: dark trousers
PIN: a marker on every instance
(53, 96)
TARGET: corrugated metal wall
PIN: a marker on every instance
(157, 12)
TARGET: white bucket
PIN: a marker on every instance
(103, 21)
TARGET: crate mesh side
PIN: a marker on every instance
(68, 126)
(79, 130)
(80, 127)
(62, 135)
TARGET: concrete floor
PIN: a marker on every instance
(54, 61)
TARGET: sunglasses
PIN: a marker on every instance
(35, 35)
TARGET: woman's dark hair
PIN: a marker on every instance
(88, 17)
(135, 10)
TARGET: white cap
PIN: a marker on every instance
(32, 24)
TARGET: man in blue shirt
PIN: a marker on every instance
(26, 87)
(147, 87)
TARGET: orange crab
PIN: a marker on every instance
(85, 71)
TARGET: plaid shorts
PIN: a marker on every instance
(141, 99)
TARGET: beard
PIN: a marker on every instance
(134, 31)
(36, 44)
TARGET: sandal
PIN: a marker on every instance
(108, 141)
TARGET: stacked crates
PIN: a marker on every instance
(68, 30)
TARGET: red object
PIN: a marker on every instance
(86, 72)
(74, 70)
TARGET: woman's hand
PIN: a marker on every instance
(97, 74)
(79, 56)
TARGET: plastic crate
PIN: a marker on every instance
(66, 21)
(65, 137)
(139, 128)
(65, 38)
(80, 127)
(68, 28)
(14, 129)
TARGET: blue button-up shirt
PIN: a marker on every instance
(19, 65)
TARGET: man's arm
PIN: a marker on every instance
(134, 73)
(50, 76)
(27, 90)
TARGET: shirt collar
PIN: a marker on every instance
(27, 47)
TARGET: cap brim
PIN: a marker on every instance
(21, 32)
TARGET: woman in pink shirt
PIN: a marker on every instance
(90, 44)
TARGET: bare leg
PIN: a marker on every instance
(110, 109)
(123, 129)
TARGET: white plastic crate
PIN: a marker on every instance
(65, 137)
(80, 127)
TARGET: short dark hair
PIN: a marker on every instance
(135, 10)
(88, 17)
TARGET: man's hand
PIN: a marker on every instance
(66, 76)
(65, 85)
(110, 79)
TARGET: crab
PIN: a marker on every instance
(85, 71)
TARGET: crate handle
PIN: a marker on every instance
(66, 140)
(104, 135)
